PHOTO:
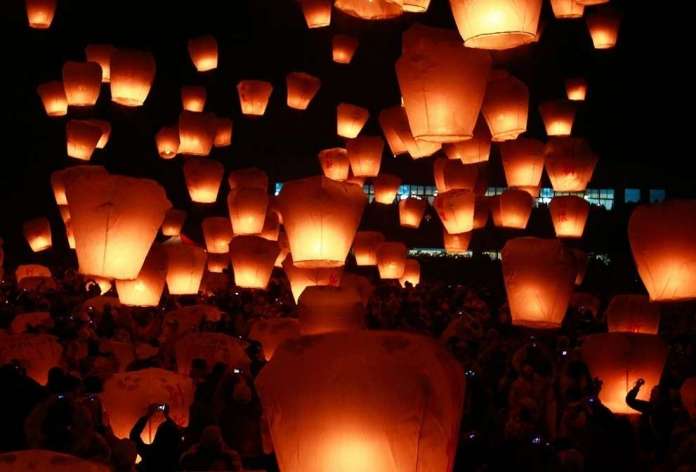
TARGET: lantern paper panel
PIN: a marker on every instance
(196, 133)
(82, 138)
(505, 106)
(185, 266)
(59, 178)
(252, 259)
(515, 208)
(223, 132)
(203, 178)
(471, 151)
(132, 74)
(481, 211)
(394, 124)
(317, 13)
(350, 120)
(37, 232)
(411, 211)
(203, 51)
(558, 117)
(53, 98)
(569, 215)
(301, 278)
(334, 163)
(632, 314)
(167, 142)
(40, 13)
(418, 148)
(302, 88)
(250, 177)
(217, 233)
(569, 164)
(101, 54)
(105, 128)
(385, 187)
(214, 348)
(456, 243)
(272, 332)
(324, 309)
(82, 83)
(343, 48)
(567, 9)
(146, 289)
(37, 353)
(173, 222)
(603, 23)
(271, 226)
(365, 247)
(247, 209)
(576, 89)
(370, 9)
(217, 263)
(411, 273)
(523, 161)
(254, 96)
(456, 210)
(365, 155)
(458, 176)
(193, 98)
(391, 259)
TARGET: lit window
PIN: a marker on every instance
(632, 195)
(657, 195)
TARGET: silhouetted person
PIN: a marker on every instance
(163, 453)
(211, 453)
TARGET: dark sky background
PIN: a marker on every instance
(625, 117)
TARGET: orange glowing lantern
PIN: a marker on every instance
(334, 163)
(252, 260)
(391, 259)
(317, 13)
(37, 232)
(53, 98)
(185, 266)
(558, 117)
(247, 208)
(300, 278)
(569, 215)
(354, 180)
(132, 74)
(496, 24)
(458, 176)
(223, 132)
(576, 89)
(193, 98)
(394, 124)
(386, 186)
(196, 133)
(254, 96)
(688, 396)
(82, 138)
(37, 353)
(343, 48)
(439, 174)
(113, 226)
(203, 51)
(481, 211)
(301, 89)
(567, 9)
(173, 222)
(40, 13)
(515, 209)
(331, 421)
(214, 348)
(411, 211)
(471, 151)
(619, 360)
(64, 212)
(350, 119)
(417, 148)
(101, 54)
(105, 128)
(603, 23)
(217, 234)
(539, 276)
(250, 177)
(272, 332)
(146, 289)
(284, 249)
(632, 314)
(39, 459)
(365, 247)
(82, 83)
(411, 273)
(365, 155)
(167, 141)
(203, 179)
(324, 309)
(321, 217)
(663, 243)
(456, 210)
(271, 226)
(216, 263)
(442, 84)
(59, 179)
(523, 162)
(505, 106)
(569, 163)
(370, 9)
(456, 243)
(581, 262)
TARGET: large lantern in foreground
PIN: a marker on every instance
(251, 177)
(254, 96)
(334, 163)
(365, 155)
(391, 259)
(203, 179)
(203, 51)
(539, 275)
(217, 234)
(300, 278)
(272, 332)
(252, 260)
(323, 309)
(386, 186)
(496, 24)
(558, 117)
(442, 84)
(247, 208)
(40, 13)
(82, 83)
(618, 360)
(37, 353)
(115, 220)
(505, 106)
(411, 211)
(317, 13)
(167, 142)
(569, 215)
(456, 243)
(663, 243)
(321, 217)
(456, 210)
(53, 98)
(411, 273)
(132, 74)
(193, 98)
(569, 163)
(350, 119)
(370, 9)
(394, 124)
(37, 232)
(81, 138)
(471, 151)
(101, 54)
(632, 314)
(146, 289)
(173, 222)
(523, 161)
(343, 48)
(196, 133)
(365, 247)
(576, 89)
(60, 178)
(567, 9)
(515, 207)
(302, 88)
(185, 266)
(323, 416)
(603, 23)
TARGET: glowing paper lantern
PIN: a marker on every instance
(603, 23)
(539, 276)
(253, 96)
(203, 51)
(252, 260)
(105, 128)
(456, 243)
(365, 247)
(618, 360)
(331, 420)
(581, 262)
(37, 353)
(391, 259)
(350, 119)
(301, 278)
(132, 74)
(217, 233)
(323, 309)
(317, 13)
(127, 396)
(576, 89)
(60, 178)
(558, 117)
(567, 9)
(115, 220)
(370, 9)
(569, 215)
(394, 124)
(271, 227)
(101, 54)
(284, 249)
(173, 222)
(247, 208)
(442, 84)
(386, 186)
(343, 48)
(272, 332)
(223, 132)
(193, 98)
(411, 211)
(301, 89)
(146, 289)
(334, 163)
(203, 179)
(82, 138)
(458, 176)
(632, 314)
(365, 155)
(196, 133)
(688, 396)
(569, 163)
(167, 141)
(185, 266)
(82, 83)
(523, 161)
(53, 98)
(411, 273)
(471, 151)
(505, 106)
(37, 232)
(417, 148)
(250, 177)
(496, 24)
(481, 211)
(214, 348)
(39, 459)
(216, 263)
(321, 217)
(40, 13)
(456, 210)
(354, 180)
(663, 243)
(515, 208)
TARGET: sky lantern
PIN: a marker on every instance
(53, 98)
(391, 259)
(217, 233)
(539, 276)
(456, 210)
(471, 151)
(146, 289)
(302, 88)
(394, 124)
(412, 273)
(576, 89)
(458, 176)
(271, 226)
(251, 177)
(247, 208)
(214, 348)
(223, 132)
(254, 96)
(284, 248)
(321, 217)
(167, 141)
(688, 396)
(185, 266)
(386, 186)
(418, 148)
(40, 13)
(439, 174)
(216, 263)
(82, 138)
(496, 24)
(558, 116)
(632, 314)
(252, 260)
(82, 83)
(40, 459)
(105, 128)
(59, 178)
(196, 133)
(515, 208)
(324, 309)
(481, 212)
(581, 263)
(456, 243)
(603, 23)
(334, 163)
(301, 278)
(127, 396)
(173, 222)
(567, 9)
(317, 13)
(350, 119)
(523, 161)
(132, 74)
(365, 155)
(101, 54)
(365, 247)
(203, 179)
(411, 211)
(193, 97)
(343, 48)
(272, 332)
(663, 243)
(569, 215)
(370, 9)
(113, 226)
(203, 51)
(442, 84)
(618, 360)
(505, 106)
(569, 163)
(355, 180)
(37, 353)
(331, 421)
(37, 232)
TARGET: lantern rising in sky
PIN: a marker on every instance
(412, 273)
(576, 89)
(146, 289)
(505, 106)
(196, 133)
(365, 247)
(132, 74)
(523, 161)
(456, 210)
(558, 117)
(82, 138)
(471, 151)
(302, 88)
(603, 23)
(317, 13)
(394, 124)
(217, 234)
(37, 232)
(370, 9)
(386, 186)
(40, 13)
(365, 155)
(101, 54)
(203, 179)
(82, 83)
(247, 208)
(185, 266)
(254, 96)
(203, 51)
(569, 163)
(252, 260)
(391, 259)
(456, 243)
(193, 97)
(350, 119)
(173, 222)
(515, 207)
(343, 48)
(167, 141)
(632, 314)
(567, 9)
(53, 98)
(334, 163)
(569, 215)
(411, 211)
(223, 132)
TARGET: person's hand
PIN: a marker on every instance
(639, 383)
